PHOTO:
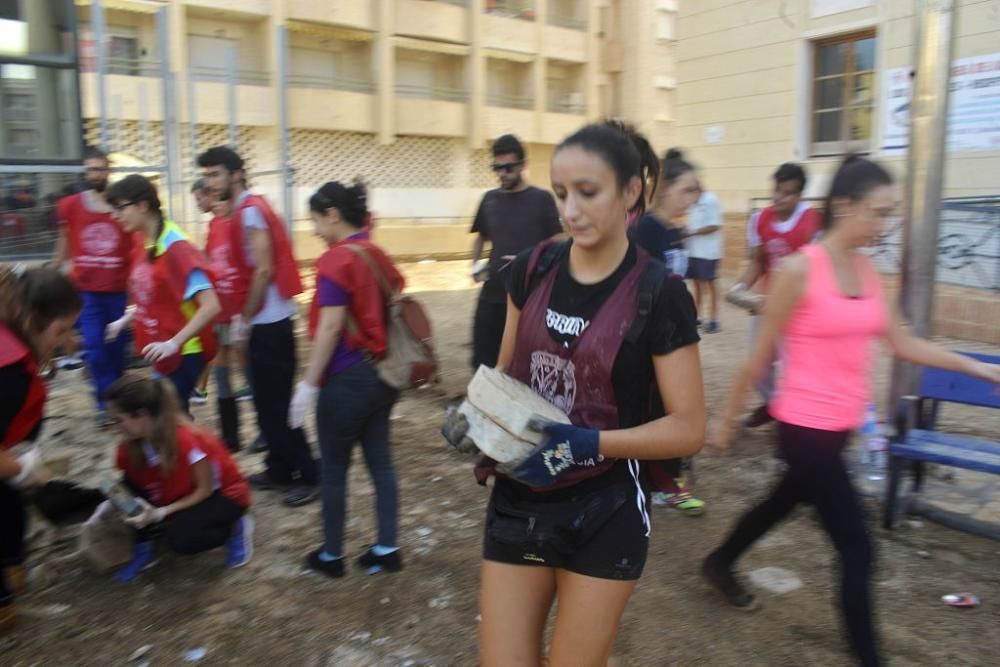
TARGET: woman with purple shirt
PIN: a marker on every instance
(348, 328)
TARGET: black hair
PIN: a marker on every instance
(625, 150)
(508, 143)
(855, 178)
(674, 166)
(94, 153)
(351, 202)
(156, 397)
(223, 156)
(791, 171)
(31, 299)
(136, 188)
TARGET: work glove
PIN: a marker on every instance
(455, 430)
(114, 329)
(238, 330)
(303, 399)
(156, 352)
(563, 446)
(33, 472)
(149, 515)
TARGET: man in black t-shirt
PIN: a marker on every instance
(513, 217)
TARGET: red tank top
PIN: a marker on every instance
(98, 246)
(14, 351)
(779, 243)
(286, 273)
(229, 283)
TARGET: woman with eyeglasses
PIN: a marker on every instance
(174, 300)
(189, 490)
(348, 330)
(37, 310)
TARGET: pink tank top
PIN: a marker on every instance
(827, 348)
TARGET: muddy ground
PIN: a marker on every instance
(273, 612)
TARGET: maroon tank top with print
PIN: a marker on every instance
(576, 378)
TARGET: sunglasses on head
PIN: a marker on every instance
(507, 167)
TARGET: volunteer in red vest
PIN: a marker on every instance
(189, 488)
(775, 232)
(348, 328)
(267, 281)
(97, 253)
(570, 522)
(37, 310)
(174, 300)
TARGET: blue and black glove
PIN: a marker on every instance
(564, 446)
(455, 430)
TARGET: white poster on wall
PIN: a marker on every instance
(974, 116)
(818, 8)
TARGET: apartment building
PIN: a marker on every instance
(408, 94)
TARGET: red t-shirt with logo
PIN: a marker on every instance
(782, 238)
(99, 248)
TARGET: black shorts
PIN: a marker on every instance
(702, 269)
(598, 528)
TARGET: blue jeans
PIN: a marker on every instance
(105, 360)
(353, 406)
(185, 378)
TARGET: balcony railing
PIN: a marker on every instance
(432, 92)
(564, 20)
(566, 104)
(515, 9)
(510, 101)
(330, 82)
(222, 75)
(20, 115)
(132, 67)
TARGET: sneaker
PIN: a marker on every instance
(712, 327)
(758, 417)
(239, 546)
(331, 568)
(681, 501)
(68, 363)
(297, 496)
(262, 482)
(199, 396)
(372, 564)
(143, 558)
(259, 445)
(243, 394)
(720, 576)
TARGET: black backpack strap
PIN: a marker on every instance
(543, 258)
(650, 284)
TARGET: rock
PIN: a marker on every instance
(775, 579)
(140, 652)
(195, 655)
(924, 554)
(915, 523)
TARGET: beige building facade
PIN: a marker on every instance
(407, 94)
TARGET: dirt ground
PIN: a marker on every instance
(274, 612)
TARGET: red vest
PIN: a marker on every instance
(100, 250)
(14, 351)
(286, 273)
(367, 307)
(164, 489)
(230, 284)
(777, 244)
(157, 290)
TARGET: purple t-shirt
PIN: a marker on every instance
(329, 293)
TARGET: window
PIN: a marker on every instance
(843, 94)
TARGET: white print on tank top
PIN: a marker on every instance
(99, 238)
(554, 379)
(564, 324)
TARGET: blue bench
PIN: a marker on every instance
(917, 442)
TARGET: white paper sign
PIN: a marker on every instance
(714, 134)
(818, 8)
(974, 116)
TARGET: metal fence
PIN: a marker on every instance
(968, 242)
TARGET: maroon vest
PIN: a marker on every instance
(577, 378)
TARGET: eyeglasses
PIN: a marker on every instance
(121, 206)
(507, 167)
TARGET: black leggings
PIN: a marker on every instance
(198, 528)
(816, 475)
(13, 522)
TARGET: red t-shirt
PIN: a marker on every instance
(193, 445)
(782, 238)
(100, 249)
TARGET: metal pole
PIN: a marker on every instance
(144, 121)
(231, 102)
(97, 18)
(933, 49)
(284, 153)
(169, 114)
(193, 113)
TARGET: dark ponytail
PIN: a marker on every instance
(674, 166)
(626, 151)
(855, 178)
(351, 202)
(136, 188)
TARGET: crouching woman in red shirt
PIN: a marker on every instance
(191, 492)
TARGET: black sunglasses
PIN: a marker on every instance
(507, 167)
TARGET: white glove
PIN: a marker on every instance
(238, 329)
(114, 329)
(147, 516)
(303, 399)
(155, 352)
(33, 472)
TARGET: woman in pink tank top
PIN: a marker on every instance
(828, 310)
